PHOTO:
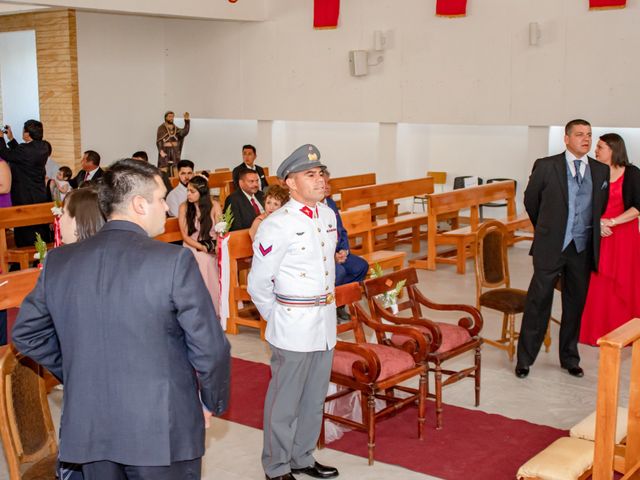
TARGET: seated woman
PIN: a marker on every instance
(275, 197)
(197, 217)
(81, 215)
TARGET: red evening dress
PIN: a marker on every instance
(614, 291)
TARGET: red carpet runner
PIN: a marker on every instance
(471, 445)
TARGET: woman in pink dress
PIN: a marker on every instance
(614, 290)
(197, 218)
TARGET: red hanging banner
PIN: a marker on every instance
(606, 4)
(326, 13)
(451, 8)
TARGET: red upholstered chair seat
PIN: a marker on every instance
(452, 336)
(392, 360)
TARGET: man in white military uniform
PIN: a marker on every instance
(291, 283)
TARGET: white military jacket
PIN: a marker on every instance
(293, 256)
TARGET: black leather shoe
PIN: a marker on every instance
(575, 371)
(286, 476)
(522, 372)
(317, 471)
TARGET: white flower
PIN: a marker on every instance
(220, 227)
(36, 256)
(57, 211)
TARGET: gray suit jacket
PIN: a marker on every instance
(127, 323)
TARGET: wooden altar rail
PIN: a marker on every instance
(611, 346)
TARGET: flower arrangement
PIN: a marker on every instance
(41, 250)
(390, 298)
(223, 226)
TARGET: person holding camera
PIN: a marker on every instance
(27, 162)
(197, 218)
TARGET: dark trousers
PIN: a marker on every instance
(26, 236)
(575, 269)
(105, 470)
(354, 269)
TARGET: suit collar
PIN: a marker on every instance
(123, 225)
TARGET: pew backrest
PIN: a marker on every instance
(385, 192)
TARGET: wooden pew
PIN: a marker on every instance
(240, 254)
(358, 224)
(394, 222)
(463, 239)
(352, 181)
(216, 179)
(21, 216)
(611, 346)
(171, 231)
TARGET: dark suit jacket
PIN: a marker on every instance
(343, 236)
(259, 170)
(546, 201)
(128, 325)
(27, 162)
(243, 212)
(78, 180)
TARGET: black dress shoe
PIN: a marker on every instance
(317, 471)
(286, 476)
(522, 372)
(575, 371)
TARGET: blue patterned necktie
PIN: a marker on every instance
(577, 163)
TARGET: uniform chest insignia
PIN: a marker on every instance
(302, 274)
(299, 233)
(265, 251)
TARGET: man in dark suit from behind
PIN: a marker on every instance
(91, 170)
(565, 198)
(247, 202)
(27, 162)
(249, 163)
(140, 350)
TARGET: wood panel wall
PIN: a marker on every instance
(57, 59)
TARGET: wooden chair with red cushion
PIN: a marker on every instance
(448, 340)
(377, 370)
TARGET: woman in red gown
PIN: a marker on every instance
(614, 290)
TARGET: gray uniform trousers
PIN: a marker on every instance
(293, 408)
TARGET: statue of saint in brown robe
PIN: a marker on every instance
(169, 141)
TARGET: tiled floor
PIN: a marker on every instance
(548, 396)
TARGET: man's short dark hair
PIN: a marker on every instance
(250, 147)
(141, 154)
(93, 157)
(578, 121)
(246, 171)
(186, 164)
(34, 128)
(123, 180)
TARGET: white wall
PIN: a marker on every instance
(451, 94)
(475, 70)
(19, 77)
(121, 83)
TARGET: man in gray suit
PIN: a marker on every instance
(127, 324)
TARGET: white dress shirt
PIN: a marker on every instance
(176, 197)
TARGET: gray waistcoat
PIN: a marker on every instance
(580, 218)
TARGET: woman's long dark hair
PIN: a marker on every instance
(83, 205)
(619, 157)
(204, 205)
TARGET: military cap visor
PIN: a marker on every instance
(302, 159)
